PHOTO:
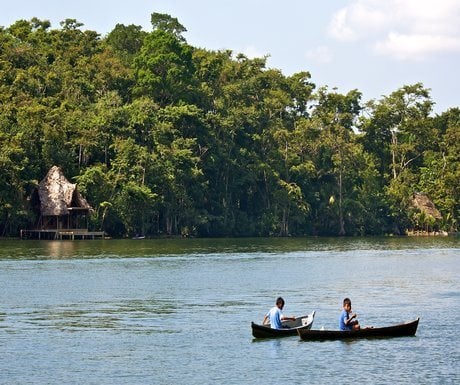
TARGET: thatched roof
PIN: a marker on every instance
(421, 202)
(57, 195)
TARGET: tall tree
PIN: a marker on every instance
(169, 24)
(164, 69)
(126, 41)
(337, 115)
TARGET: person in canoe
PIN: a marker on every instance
(274, 316)
(348, 319)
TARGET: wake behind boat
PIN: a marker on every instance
(290, 327)
(401, 330)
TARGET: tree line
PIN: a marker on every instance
(164, 138)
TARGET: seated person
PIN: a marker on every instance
(347, 320)
(274, 316)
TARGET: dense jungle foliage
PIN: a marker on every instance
(164, 138)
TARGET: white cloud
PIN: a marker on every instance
(339, 26)
(406, 29)
(320, 54)
(358, 19)
(416, 47)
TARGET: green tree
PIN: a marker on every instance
(439, 175)
(95, 183)
(338, 155)
(126, 41)
(135, 206)
(399, 132)
(164, 69)
(169, 24)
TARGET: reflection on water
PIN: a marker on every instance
(206, 247)
(179, 312)
(275, 351)
(59, 249)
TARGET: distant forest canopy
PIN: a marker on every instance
(164, 138)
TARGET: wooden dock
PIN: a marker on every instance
(54, 234)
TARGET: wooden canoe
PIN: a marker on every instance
(290, 327)
(401, 330)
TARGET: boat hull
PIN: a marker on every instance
(290, 327)
(401, 330)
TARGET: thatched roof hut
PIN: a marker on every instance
(58, 196)
(59, 204)
(61, 210)
(421, 202)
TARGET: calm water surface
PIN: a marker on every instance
(179, 311)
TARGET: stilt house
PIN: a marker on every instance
(62, 211)
(61, 206)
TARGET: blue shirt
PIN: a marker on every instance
(274, 315)
(343, 317)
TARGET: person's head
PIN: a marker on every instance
(347, 304)
(280, 302)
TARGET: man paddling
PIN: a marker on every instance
(274, 316)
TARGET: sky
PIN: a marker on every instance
(375, 46)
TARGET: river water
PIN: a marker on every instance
(179, 311)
